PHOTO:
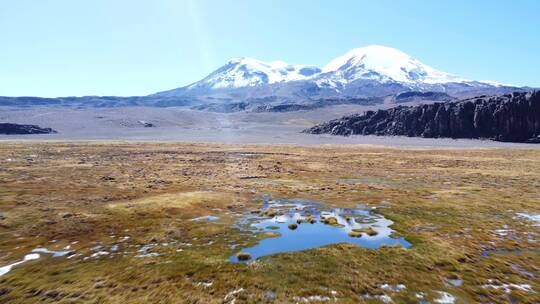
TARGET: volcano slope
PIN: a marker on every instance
(123, 212)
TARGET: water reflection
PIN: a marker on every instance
(317, 225)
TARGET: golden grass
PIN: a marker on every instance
(450, 204)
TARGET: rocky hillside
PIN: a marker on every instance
(512, 117)
(12, 129)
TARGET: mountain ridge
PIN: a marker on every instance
(371, 71)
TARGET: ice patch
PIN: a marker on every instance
(230, 295)
(28, 257)
(144, 252)
(445, 298)
(205, 284)
(384, 298)
(532, 217)
(53, 253)
(315, 298)
(455, 282)
(99, 253)
(507, 288)
(393, 288)
(34, 255)
(209, 218)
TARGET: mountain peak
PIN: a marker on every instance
(385, 64)
(249, 72)
(365, 71)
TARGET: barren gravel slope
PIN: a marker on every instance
(184, 125)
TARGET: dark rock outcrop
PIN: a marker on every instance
(14, 129)
(146, 124)
(422, 96)
(512, 117)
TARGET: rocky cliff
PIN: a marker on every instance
(12, 129)
(512, 117)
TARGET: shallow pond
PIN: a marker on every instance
(209, 218)
(299, 225)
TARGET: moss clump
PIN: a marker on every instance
(272, 227)
(310, 219)
(269, 234)
(355, 234)
(394, 235)
(329, 220)
(270, 212)
(367, 230)
(293, 226)
(332, 221)
(243, 256)
(372, 232)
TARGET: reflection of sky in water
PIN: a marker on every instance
(308, 235)
(209, 218)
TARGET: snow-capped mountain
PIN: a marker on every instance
(249, 72)
(372, 71)
(369, 75)
(383, 64)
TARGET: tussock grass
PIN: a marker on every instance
(447, 203)
(243, 256)
(367, 230)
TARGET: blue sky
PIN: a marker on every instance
(137, 47)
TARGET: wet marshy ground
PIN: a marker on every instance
(295, 225)
(140, 223)
(35, 254)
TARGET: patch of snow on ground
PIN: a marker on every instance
(532, 217)
(53, 253)
(384, 298)
(507, 288)
(28, 257)
(316, 298)
(445, 298)
(205, 284)
(394, 288)
(99, 253)
(230, 295)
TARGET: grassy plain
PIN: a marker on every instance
(456, 206)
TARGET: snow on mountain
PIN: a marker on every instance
(383, 64)
(249, 72)
(377, 63)
(368, 71)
